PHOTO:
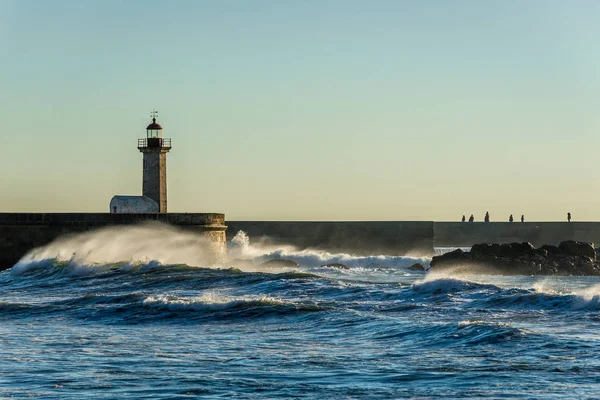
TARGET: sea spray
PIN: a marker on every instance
(143, 243)
(126, 247)
(242, 248)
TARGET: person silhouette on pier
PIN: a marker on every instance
(568, 217)
(522, 218)
(487, 217)
(511, 219)
(463, 219)
(471, 218)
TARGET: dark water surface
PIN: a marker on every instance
(375, 330)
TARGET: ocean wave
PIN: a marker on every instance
(449, 285)
(317, 258)
(533, 298)
(241, 248)
(73, 268)
(589, 291)
(120, 249)
(164, 274)
(144, 307)
(490, 296)
(142, 243)
(102, 299)
(8, 307)
(85, 305)
(483, 333)
(211, 302)
(465, 333)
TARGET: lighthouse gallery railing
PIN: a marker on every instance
(154, 142)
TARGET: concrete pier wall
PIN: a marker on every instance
(402, 238)
(458, 234)
(359, 238)
(21, 232)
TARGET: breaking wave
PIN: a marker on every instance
(209, 302)
(490, 296)
(143, 243)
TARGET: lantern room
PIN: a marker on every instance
(154, 136)
(154, 130)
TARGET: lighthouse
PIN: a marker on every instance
(154, 175)
(155, 148)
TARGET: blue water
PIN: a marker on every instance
(72, 329)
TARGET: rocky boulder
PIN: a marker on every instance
(569, 258)
(550, 249)
(503, 250)
(417, 267)
(575, 248)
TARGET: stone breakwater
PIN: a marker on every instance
(568, 258)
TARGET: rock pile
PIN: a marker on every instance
(417, 267)
(568, 258)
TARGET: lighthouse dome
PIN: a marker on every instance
(154, 126)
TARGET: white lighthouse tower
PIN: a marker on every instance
(155, 148)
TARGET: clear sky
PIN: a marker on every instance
(306, 110)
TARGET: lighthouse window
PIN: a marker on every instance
(153, 133)
(144, 164)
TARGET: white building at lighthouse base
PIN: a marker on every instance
(133, 204)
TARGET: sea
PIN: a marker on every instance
(133, 313)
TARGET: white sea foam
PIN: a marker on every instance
(588, 298)
(144, 243)
(241, 248)
(544, 286)
(577, 298)
(211, 301)
(446, 285)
